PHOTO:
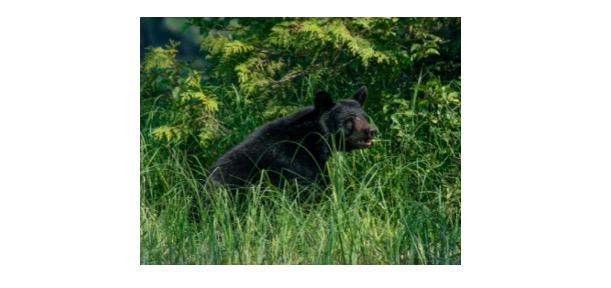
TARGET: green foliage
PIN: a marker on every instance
(173, 101)
(427, 128)
(262, 54)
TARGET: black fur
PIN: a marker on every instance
(296, 147)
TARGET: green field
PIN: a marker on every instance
(398, 202)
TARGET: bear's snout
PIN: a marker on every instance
(372, 132)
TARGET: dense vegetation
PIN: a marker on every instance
(398, 202)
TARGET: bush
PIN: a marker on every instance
(174, 104)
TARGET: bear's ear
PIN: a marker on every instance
(360, 95)
(323, 101)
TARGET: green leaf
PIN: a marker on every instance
(166, 133)
(432, 51)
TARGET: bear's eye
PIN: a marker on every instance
(349, 122)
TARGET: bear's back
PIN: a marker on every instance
(282, 147)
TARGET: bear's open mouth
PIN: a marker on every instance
(364, 143)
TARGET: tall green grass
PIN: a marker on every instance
(382, 206)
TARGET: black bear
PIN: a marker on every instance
(296, 147)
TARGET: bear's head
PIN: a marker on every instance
(346, 119)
